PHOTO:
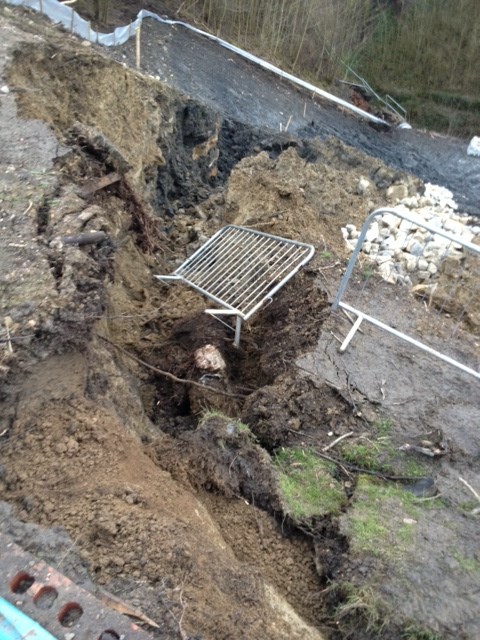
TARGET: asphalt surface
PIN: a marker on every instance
(244, 92)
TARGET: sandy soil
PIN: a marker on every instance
(160, 499)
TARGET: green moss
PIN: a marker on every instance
(307, 485)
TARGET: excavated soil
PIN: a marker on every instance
(149, 487)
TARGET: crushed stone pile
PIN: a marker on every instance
(407, 253)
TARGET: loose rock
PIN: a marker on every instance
(398, 246)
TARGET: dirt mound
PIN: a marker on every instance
(300, 192)
(293, 406)
(125, 108)
(221, 455)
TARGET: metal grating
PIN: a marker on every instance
(239, 269)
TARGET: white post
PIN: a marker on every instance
(238, 329)
(137, 47)
(351, 333)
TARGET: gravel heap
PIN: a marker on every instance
(406, 253)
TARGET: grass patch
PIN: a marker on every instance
(368, 271)
(416, 633)
(232, 424)
(228, 431)
(413, 468)
(325, 255)
(470, 565)
(468, 506)
(213, 413)
(376, 523)
(384, 427)
(366, 456)
(307, 485)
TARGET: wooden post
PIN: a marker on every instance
(137, 42)
(73, 18)
(41, 6)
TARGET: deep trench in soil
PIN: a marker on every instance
(149, 223)
(270, 343)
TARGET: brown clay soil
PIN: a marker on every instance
(153, 489)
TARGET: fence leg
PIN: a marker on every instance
(351, 333)
(137, 47)
(238, 329)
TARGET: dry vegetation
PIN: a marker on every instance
(428, 58)
(424, 53)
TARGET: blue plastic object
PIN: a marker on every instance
(15, 625)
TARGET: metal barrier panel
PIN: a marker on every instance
(443, 276)
(240, 269)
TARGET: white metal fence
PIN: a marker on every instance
(74, 23)
(447, 305)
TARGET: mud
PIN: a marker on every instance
(162, 495)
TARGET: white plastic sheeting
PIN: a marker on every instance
(474, 147)
(65, 15)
